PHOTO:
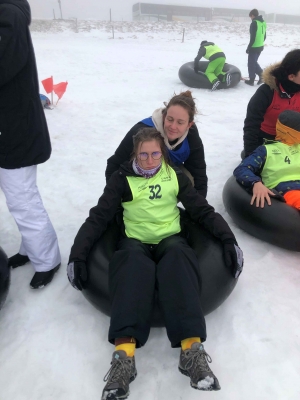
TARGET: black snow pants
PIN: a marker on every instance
(136, 271)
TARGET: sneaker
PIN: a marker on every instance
(193, 363)
(250, 82)
(41, 279)
(228, 79)
(215, 85)
(17, 260)
(121, 373)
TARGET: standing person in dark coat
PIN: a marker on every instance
(258, 36)
(24, 143)
(280, 91)
(175, 122)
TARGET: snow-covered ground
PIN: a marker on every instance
(53, 343)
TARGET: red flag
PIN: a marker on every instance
(48, 84)
(60, 89)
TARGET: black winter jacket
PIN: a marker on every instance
(256, 109)
(118, 189)
(24, 136)
(195, 164)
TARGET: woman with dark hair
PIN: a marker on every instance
(280, 91)
(153, 255)
(175, 122)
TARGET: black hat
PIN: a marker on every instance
(290, 118)
(203, 42)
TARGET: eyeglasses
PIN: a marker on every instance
(156, 155)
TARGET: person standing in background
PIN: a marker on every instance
(24, 143)
(258, 36)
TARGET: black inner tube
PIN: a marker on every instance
(217, 279)
(190, 78)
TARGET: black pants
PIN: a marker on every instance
(253, 67)
(136, 271)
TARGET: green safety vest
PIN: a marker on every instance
(152, 215)
(211, 50)
(282, 164)
(260, 34)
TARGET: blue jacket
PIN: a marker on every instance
(249, 170)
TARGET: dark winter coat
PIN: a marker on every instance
(24, 136)
(195, 163)
(258, 106)
(118, 189)
(253, 30)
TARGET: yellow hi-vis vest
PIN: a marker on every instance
(282, 164)
(152, 215)
(211, 50)
(260, 34)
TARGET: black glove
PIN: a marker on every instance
(77, 273)
(233, 258)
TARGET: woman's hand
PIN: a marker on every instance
(260, 194)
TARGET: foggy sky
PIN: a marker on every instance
(122, 9)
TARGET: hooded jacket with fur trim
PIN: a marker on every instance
(24, 136)
(263, 109)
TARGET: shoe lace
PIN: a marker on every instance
(117, 371)
(198, 358)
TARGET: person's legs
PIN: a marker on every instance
(210, 71)
(219, 68)
(258, 70)
(39, 240)
(132, 285)
(179, 281)
(132, 288)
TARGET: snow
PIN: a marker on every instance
(206, 383)
(53, 342)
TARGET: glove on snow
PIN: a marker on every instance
(77, 273)
(233, 258)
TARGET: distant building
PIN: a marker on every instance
(283, 18)
(156, 12)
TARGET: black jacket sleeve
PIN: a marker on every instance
(256, 110)
(201, 53)
(14, 47)
(195, 164)
(200, 211)
(123, 152)
(253, 29)
(99, 217)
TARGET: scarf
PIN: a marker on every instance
(146, 173)
(290, 87)
(157, 118)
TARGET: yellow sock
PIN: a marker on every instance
(129, 348)
(187, 343)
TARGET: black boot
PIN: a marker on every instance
(17, 260)
(260, 80)
(250, 82)
(41, 279)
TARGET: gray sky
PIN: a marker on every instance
(122, 9)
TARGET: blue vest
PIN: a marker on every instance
(177, 156)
